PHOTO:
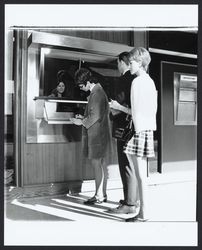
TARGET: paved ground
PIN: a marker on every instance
(173, 214)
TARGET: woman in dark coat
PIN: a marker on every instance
(96, 130)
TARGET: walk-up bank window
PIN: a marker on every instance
(185, 99)
(54, 94)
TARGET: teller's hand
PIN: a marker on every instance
(78, 116)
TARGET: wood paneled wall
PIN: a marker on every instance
(45, 163)
(116, 36)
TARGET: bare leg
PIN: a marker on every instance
(99, 177)
(105, 178)
(140, 165)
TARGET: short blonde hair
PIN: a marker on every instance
(140, 54)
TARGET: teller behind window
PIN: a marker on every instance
(65, 88)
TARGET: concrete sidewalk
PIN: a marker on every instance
(173, 210)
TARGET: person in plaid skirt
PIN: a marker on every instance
(143, 110)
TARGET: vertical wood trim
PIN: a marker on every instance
(140, 39)
(17, 99)
(23, 100)
(20, 75)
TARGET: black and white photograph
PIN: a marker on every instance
(100, 125)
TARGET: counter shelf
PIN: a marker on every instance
(46, 108)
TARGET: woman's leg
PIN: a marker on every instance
(133, 185)
(99, 177)
(132, 195)
(140, 164)
(105, 171)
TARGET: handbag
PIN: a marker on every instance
(126, 133)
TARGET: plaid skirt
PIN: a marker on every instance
(141, 144)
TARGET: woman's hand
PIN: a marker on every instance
(115, 105)
(76, 121)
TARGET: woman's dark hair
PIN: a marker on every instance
(83, 75)
(63, 76)
(124, 56)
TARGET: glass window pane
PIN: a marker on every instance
(186, 111)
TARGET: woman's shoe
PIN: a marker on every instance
(136, 219)
(122, 209)
(105, 198)
(93, 200)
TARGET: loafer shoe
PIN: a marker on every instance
(135, 219)
(95, 200)
(123, 209)
(105, 198)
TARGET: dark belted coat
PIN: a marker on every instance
(96, 124)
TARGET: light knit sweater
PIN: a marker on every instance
(143, 103)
